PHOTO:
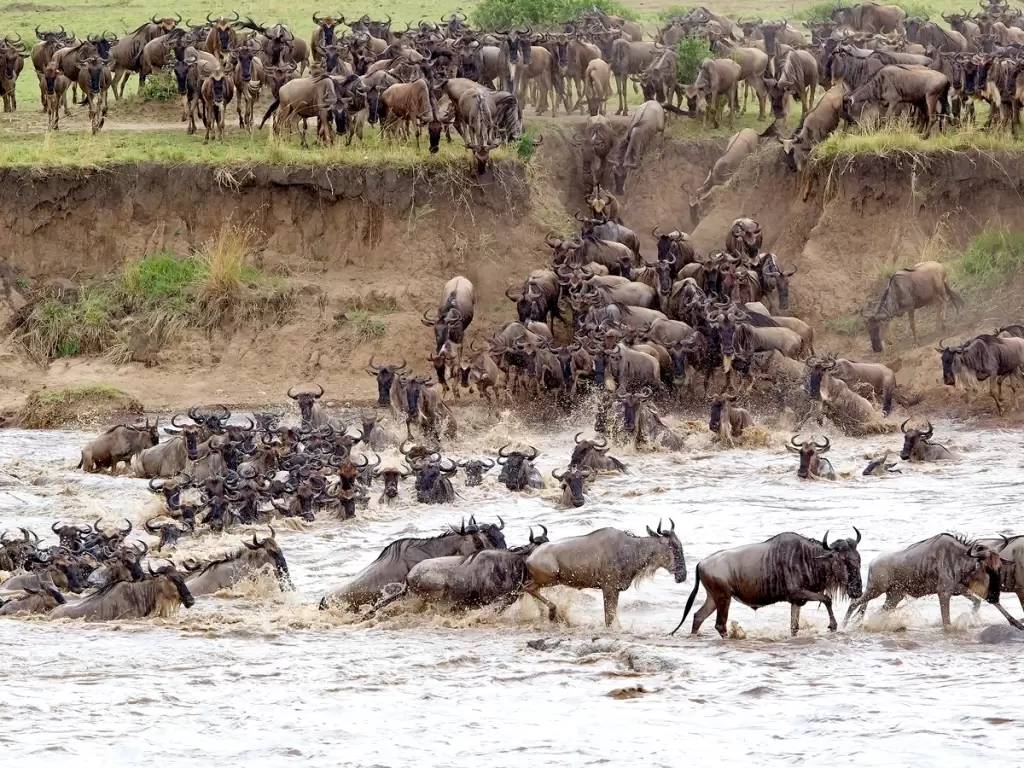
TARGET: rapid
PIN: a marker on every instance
(255, 676)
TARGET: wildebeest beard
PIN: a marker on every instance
(516, 472)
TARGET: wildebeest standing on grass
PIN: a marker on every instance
(785, 568)
(607, 559)
(944, 565)
(908, 290)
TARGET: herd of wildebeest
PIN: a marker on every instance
(681, 329)
(869, 58)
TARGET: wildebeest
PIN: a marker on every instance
(454, 313)
(216, 92)
(160, 595)
(870, 17)
(517, 470)
(917, 445)
(397, 559)
(33, 600)
(740, 145)
(786, 568)
(1011, 552)
(816, 126)
(880, 378)
(648, 122)
(118, 444)
(944, 565)
(489, 576)
(226, 572)
(598, 141)
(717, 79)
(813, 465)
(925, 89)
(475, 469)
(312, 413)
(726, 420)
(607, 559)
(572, 481)
(881, 466)
(995, 358)
(593, 454)
(908, 290)
(798, 78)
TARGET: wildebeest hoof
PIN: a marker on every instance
(551, 613)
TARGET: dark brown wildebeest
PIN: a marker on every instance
(798, 78)
(14, 552)
(881, 378)
(385, 375)
(994, 358)
(647, 123)
(12, 62)
(247, 77)
(169, 532)
(126, 53)
(599, 140)
(918, 447)
(870, 17)
(907, 291)
(850, 411)
(53, 86)
(222, 37)
(538, 300)
(118, 444)
(57, 566)
(160, 595)
(717, 79)
(813, 464)
(1011, 552)
(744, 238)
(412, 104)
(216, 92)
(925, 89)
(49, 43)
(726, 420)
(313, 415)
(944, 565)
(325, 33)
(935, 38)
(880, 467)
(243, 564)
(786, 568)
(475, 469)
(94, 79)
(454, 313)
(607, 559)
(393, 564)
(593, 454)
(572, 481)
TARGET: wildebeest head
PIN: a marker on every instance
(881, 466)
(181, 69)
(912, 438)
(572, 480)
(817, 368)
(491, 532)
(224, 29)
(414, 393)
(724, 323)
(327, 26)
(269, 546)
(385, 375)
(482, 155)
(719, 404)
(774, 277)
(950, 357)
(989, 561)
(171, 574)
(306, 401)
(15, 550)
(218, 87)
(745, 237)
(631, 406)
(810, 453)
(844, 562)
(475, 469)
(677, 562)
(433, 483)
(70, 536)
(278, 76)
(517, 466)
(391, 477)
(876, 327)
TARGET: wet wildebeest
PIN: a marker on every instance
(813, 464)
(33, 600)
(14, 552)
(786, 568)
(1012, 571)
(454, 313)
(881, 466)
(390, 475)
(228, 571)
(917, 445)
(995, 358)
(726, 420)
(881, 378)
(118, 444)
(313, 415)
(944, 565)
(475, 469)
(572, 481)
(160, 595)
(489, 576)
(433, 482)
(908, 290)
(57, 566)
(169, 532)
(385, 375)
(593, 454)
(517, 470)
(397, 558)
(607, 559)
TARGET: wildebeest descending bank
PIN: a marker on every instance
(786, 568)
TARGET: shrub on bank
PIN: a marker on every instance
(991, 256)
(690, 52)
(502, 14)
(154, 297)
(76, 406)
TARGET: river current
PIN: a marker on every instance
(259, 678)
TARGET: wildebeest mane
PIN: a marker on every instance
(806, 564)
(392, 551)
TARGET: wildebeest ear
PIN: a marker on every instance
(650, 532)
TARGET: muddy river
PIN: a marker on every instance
(254, 677)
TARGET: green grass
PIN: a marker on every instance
(990, 257)
(502, 14)
(365, 326)
(846, 325)
(154, 297)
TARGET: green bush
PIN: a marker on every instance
(991, 256)
(673, 12)
(816, 12)
(502, 14)
(160, 87)
(690, 52)
(525, 147)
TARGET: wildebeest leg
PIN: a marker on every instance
(611, 605)
(806, 596)
(794, 618)
(705, 610)
(913, 326)
(535, 593)
(944, 607)
(994, 390)
(723, 614)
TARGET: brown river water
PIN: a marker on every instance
(254, 677)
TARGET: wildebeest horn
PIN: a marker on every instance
(501, 522)
(929, 432)
(293, 397)
(656, 232)
(903, 427)
(501, 451)
(858, 535)
(554, 474)
(823, 448)
(555, 244)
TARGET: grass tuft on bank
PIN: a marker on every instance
(902, 137)
(991, 257)
(130, 314)
(76, 406)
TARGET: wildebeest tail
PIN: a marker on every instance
(689, 602)
(674, 110)
(956, 298)
(270, 110)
